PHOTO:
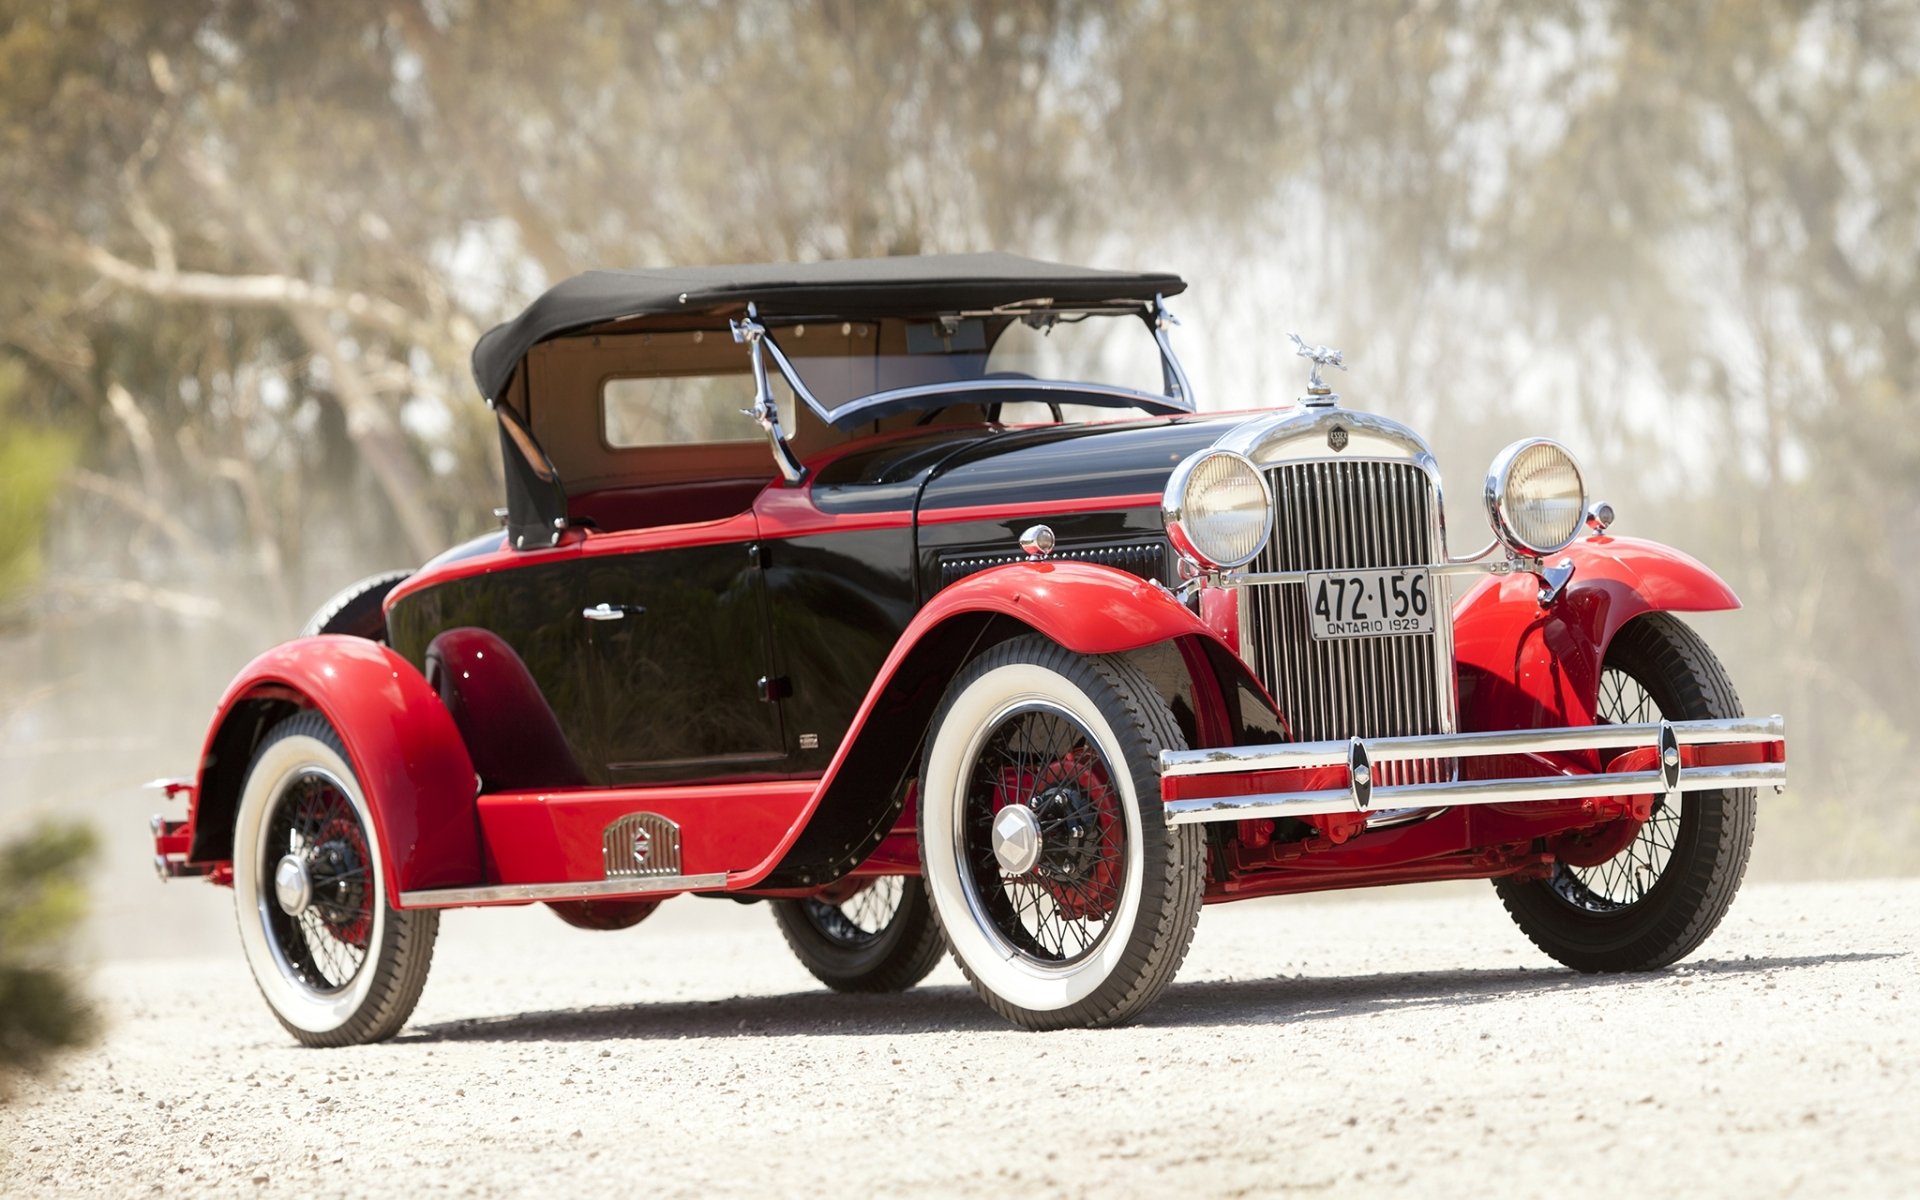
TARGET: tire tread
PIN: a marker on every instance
(405, 954)
(1674, 657)
(1144, 726)
(357, 608)
(913, 954)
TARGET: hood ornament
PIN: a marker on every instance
(1318, 393)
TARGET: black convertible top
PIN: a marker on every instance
(923, 285)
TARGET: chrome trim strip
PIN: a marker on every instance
(508, 893)
(1293, 755)
(1480, 791)
(1449, 569)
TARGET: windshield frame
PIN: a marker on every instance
(1176, 396)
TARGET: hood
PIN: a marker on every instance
(1069, 462)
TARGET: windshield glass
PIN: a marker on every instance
(1111, 351)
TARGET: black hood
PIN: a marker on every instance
(1069, 462)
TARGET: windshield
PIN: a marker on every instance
(1104, 351)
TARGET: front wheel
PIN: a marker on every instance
(337, 964)
(1065, 896)
(876, 935)
(1656, 900)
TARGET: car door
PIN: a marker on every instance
(677, 671)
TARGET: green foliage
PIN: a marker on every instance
(32, 463)
(41, 901)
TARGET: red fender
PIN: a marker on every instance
(1086, 607)
(1524, 667)
(411, 763)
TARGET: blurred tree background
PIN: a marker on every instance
(248, 246)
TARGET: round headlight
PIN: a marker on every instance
(1535, 497)
(1217, 509)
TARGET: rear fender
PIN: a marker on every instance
(1086, 607)
(404, 748)
(1521, 666)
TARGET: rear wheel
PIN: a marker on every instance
(878, 936)
(1067, 899)
(1659, 898)
(337, 964)
(357, 609)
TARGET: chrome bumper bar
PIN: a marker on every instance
(1359, 754)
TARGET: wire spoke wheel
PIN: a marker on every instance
(864, 935)
(860, 919)
(1628, 876)
(1058, 907)
(1067, 899)
(335, 962)
(312, 825)
(1658, 898)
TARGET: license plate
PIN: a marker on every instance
(1368, 603)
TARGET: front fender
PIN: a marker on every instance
(1524, 667)
(405, 750)
(1086, 607)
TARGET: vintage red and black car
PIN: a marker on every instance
(914, 597)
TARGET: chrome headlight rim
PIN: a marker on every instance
(1176, 515)
(1499, 478)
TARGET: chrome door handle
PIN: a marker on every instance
(611, 612)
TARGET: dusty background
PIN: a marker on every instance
(1415, 1046)
(247, 250)
(244, 251)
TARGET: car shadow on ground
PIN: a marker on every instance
(1280, 1000)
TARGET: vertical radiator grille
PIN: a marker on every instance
(1350, 514)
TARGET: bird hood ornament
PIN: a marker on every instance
(1318, 392)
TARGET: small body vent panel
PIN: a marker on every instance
(641, 844)
(1148, 560)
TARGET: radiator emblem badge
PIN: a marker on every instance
(1337, 438)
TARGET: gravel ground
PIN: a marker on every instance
(1407, 1044)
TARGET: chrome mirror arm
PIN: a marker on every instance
(765, 412)
(1173, 376)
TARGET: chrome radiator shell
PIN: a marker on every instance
(1376, 502)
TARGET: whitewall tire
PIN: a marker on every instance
(336, 963)
(1064, 895)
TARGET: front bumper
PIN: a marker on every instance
(1235, 783)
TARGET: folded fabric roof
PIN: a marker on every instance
(919, 285)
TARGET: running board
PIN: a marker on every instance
(634, 887)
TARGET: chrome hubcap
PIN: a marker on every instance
(292, 886)
(1016, 839)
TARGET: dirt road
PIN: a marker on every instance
(1412, 1045)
